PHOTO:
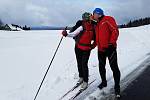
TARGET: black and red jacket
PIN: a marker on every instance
(85, 37)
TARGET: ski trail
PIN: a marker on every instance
(108, 92)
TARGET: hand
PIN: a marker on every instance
(92, 47)
(64, 33)
(111, 47)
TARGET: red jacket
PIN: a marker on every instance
(106, 33)
(87, 36)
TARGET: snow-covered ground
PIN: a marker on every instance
(25, 56)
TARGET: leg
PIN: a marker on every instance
(85, 58)
(112, 56)
(102, 63)
(78, 53)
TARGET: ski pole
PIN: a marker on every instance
(48, 67)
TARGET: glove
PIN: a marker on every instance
(64, 33)
(111, 47)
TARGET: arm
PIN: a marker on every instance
(76, 32)
(114, 30)
(78, 24)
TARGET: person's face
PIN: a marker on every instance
(96, 16)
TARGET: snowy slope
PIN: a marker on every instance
(25, 56)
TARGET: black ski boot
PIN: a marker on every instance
(117, 92)
(102, 85)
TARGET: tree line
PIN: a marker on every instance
(136, 23)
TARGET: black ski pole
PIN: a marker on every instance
(48, 67)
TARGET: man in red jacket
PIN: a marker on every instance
(106, 36)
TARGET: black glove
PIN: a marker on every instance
(111, 47)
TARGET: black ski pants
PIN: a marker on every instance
(82, 57)
(112, 57)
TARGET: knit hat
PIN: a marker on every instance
(98, 11)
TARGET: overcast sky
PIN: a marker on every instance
(67, 12)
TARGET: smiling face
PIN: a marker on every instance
(96, 16)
